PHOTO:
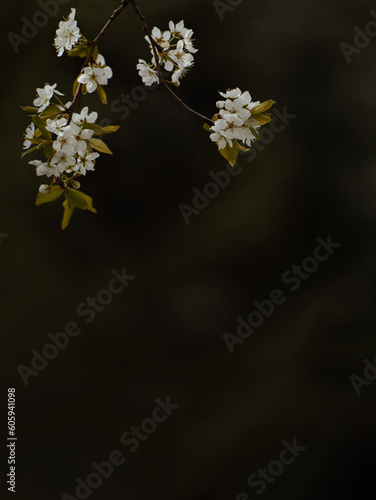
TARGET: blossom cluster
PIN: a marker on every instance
(68, 34)
(69, 38)
(238, 119)
(66, 145)
(234, 120)
(174, 48)
(68, 138)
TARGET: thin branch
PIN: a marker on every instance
(156, 49)
(93, 44)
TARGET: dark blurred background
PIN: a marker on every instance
(163, 335)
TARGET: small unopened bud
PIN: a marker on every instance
(75, 184)
(44, 189)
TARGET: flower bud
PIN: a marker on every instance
(75, 184)
(44, 189)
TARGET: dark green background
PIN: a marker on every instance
(163, 335)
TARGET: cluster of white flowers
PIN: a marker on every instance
(95, 74)
(234, 120)
(70, 151)
(67, 34)
(175, 49)
(44, 97)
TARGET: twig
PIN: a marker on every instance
(156, 49)
(93, 44)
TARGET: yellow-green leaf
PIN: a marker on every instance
(54, 193)
(29, 109)
(31, 150)
(102, 94)
(231, 154)
(68, 212)
(264, 106)
(262, 118)
(78, 51)
(79, 200)
(102, 130)
(48, 151)
(239, 146)
(255, 133)
(41, 125)
(76, 85)
(100, 146)
(96, 53)
(51, 110)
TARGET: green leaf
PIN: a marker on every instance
(78, 51)
(48, 150)
(51, 110)
(262, 107)
(231, 154)
(102, 94)
(79, 200)
(29, 109)
(41, 125)
(262, 119)
(76, 85)
(239, 146)
(68, 212)
(100, 146)
(31, 150)
(255, 133)
(96, 53)
(100, 130)
(54, 194)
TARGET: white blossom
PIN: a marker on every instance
(92, 77)
(176, 76)
(180, 57)
(177, 30)
(222, 134)
(44, 188)
(44, 97)
(45, 168)
(188, 42)
(85, 117)
(62, 161)
(30, 132)
(56, 126)
(84, 136)
(162, 39)
(148, 74)
(86, 163)
(67, 35)
(234, 119)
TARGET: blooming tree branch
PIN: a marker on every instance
(68, 139)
